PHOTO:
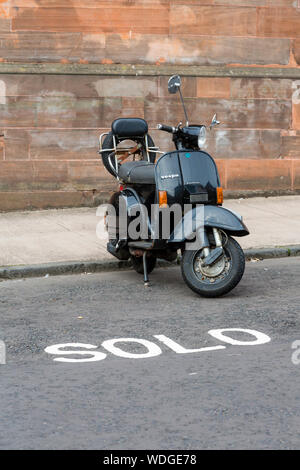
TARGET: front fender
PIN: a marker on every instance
(213, 216)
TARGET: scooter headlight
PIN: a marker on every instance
(202, 136)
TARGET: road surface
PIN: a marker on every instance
(161, 395)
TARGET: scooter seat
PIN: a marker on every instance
(129, 127)
(137, 172)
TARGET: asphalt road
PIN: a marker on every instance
(237, 397)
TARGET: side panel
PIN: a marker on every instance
(131, 199)
(125, 203)
(131, 207)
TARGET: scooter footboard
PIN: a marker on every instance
(209, 216)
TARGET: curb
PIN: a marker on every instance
(273, 252)
(77, 267)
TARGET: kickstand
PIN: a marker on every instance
(146, 279)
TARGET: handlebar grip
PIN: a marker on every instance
(162, 127)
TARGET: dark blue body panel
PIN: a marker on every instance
(186, 173)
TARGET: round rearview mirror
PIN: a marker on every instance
(174, 83)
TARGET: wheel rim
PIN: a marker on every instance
(212, 274)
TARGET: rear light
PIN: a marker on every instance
(220, 195)
(162, 199)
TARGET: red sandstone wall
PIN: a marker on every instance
(49, 124)
(201, 32)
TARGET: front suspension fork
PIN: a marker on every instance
(210, 256)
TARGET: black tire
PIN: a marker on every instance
(199, 283)
(108, 143)
(137, 264)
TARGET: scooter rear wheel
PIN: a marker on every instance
(218, 279)
(137, 263)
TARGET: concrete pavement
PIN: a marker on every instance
(65, 235)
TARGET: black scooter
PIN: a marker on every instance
(173, 204)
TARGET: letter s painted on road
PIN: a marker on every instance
(56, 349)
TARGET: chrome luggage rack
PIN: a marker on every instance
(119, 151)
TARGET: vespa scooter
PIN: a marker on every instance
(172, 206)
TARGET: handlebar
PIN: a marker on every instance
(163, 127)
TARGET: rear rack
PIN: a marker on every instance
(115, 152)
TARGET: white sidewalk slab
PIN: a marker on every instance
(70, 234)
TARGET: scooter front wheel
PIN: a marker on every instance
(219, 278)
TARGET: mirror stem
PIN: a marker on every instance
(186, 116)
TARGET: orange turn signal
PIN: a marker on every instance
(220, 195)
(162, 198)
